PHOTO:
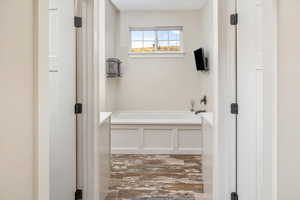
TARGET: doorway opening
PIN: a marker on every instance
(105, 111)
(159, 96)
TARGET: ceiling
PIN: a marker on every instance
(134, 5)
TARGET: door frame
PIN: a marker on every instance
(90, 85)
(225, 143)
(41, 179)
(269, 163)
(41, 126)
(270, 104)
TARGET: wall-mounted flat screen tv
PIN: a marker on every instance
(201, 60)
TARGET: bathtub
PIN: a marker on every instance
(156, 133)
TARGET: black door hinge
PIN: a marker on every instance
(78, 195)
(234, 108)
(78, 108)
(77, 22)
(234, 19)
(234, 196)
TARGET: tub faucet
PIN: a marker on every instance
(204, 100)
(199, 111)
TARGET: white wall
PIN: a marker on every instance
(164, 83)
(16, 104)
(288, 101)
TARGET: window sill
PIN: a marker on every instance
(157, 55)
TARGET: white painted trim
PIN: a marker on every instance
(260, 68)
(104, 116)
(90, 15)
(224, 162)
(41, 187)
(269, 67)
(275, 104)
(139, 146)
(215, 121)
(158, 151)
(90, 116)
(157, 55)
(41, 146)
(270, 39)
(259, 132)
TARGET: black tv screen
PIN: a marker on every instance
(200, 60)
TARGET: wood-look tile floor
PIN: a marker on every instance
(156, 176)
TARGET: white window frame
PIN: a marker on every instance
(157, 53)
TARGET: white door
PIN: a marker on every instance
(62, 81)
(249, 91)
(244, 173)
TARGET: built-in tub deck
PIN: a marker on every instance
(179, 118)
(156, 133)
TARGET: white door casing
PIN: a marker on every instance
(62, 100)
(269, 108)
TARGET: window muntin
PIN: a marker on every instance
(156, 40)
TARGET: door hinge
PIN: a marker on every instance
(234, 108)
(77, 22)
(234, 196)
(78, 108)
(78, 194)
(234, 19)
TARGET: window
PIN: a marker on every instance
(157, 40)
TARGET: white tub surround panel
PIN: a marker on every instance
(104, 116)
(102, 156)
(156, 133)
(208, 154)
(208, 118)
(156, 139)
